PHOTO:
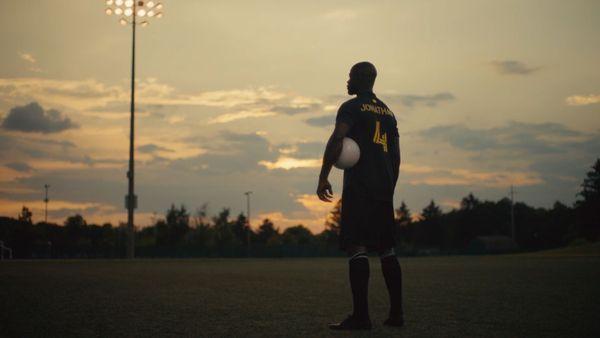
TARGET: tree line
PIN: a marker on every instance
(181, 233)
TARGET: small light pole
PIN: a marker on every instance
(247, 193)
(46, 200)
(128, 11)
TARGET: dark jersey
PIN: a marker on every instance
(373, 127)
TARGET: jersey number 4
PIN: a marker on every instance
(379, 137)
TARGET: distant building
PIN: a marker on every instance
(491, 245)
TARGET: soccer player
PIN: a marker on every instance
(367, 215)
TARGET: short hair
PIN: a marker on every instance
(364, 72)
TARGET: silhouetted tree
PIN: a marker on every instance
(225, 239)
(429, 232)
(588, 208)
(171, 231)
(403, 224)
(297, 235)
(266, 231)
(469, 202)
(240, 228)
(403, 215)
(77, 242)
(201, 214)
(25, 215)
(332, 224)
(431, 211)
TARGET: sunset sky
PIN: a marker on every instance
(241, 95)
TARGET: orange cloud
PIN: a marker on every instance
(582, 100)
(244, 114)
(313, 217)
(288, 163)
(92, 212)
(8, 174)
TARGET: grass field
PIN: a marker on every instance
(459, 296)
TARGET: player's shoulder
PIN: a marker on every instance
(350, 103)
(387, 109)
(379, 101)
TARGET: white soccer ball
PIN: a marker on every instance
(349, 155)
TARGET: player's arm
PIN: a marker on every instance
(396, 158)
(331, 155)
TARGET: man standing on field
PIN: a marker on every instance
(367, 216)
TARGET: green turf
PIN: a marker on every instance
(459, 296)
(588, 249)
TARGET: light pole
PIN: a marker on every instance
(128, 11)
(247, 193)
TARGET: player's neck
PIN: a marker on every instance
(365, 92)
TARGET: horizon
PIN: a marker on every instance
(235, 97)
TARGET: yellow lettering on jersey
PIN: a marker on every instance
(380, 138)
(376, 109)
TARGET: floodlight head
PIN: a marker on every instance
(128, 10)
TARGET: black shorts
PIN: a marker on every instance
(366, 222)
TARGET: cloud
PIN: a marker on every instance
(288, 163)
(582, 100)
(19, 166)
(33, 118)
(297, 105)
(10, 174)
(27, 57)
(100, 100)
(230, 117)
(312, 215)
(517, 152)
(229, 152)
(41, 152)
(435, 176)
(59, 210)
(79, 94)
(303, 150)
(341, 15)
(517, 137)
(321, 121)
(152, 148)
(474, 178)
(513, 67)
(411, 100)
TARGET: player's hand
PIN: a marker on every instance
(324, 190)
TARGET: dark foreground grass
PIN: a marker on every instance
(485, 296)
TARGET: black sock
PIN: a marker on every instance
(359, 283)
(393, 280)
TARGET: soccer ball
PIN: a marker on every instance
(349, 155)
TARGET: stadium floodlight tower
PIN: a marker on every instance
(128, 12)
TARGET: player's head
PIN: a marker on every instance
(362, 78)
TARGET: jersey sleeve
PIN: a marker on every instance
(395, 128)
(345, 115)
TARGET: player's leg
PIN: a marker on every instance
(358, 272)
(392, 274)
(358, 267)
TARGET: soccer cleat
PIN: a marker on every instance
(350, 323)
(396, 321)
